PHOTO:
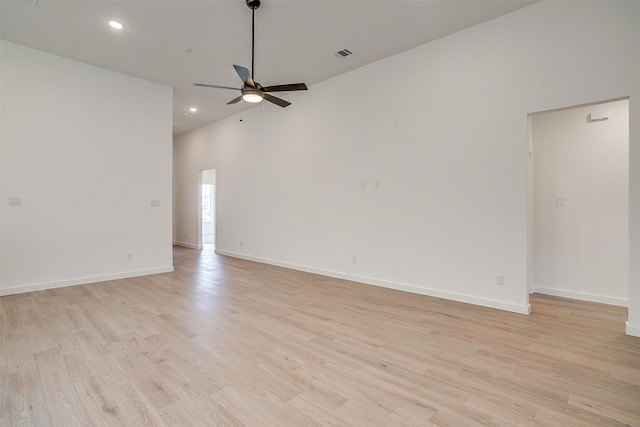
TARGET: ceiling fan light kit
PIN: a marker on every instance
(252, 91)
(251, 95)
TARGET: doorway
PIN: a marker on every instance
(207, 216)
(579, 202)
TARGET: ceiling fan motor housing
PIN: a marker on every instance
(248, 89)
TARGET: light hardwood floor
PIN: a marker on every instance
(229, 342)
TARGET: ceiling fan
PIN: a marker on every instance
(252, 91)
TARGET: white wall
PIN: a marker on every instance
(443, 127)
(581, 248)
(86, 150)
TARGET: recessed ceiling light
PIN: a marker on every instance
(117, 25)
(193, 109)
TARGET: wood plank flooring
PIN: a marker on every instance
(228, 342)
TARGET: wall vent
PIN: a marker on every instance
(343, 53)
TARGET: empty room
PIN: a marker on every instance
(349, 213)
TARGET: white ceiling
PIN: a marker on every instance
(295, 40)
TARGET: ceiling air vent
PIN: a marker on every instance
(343, 53)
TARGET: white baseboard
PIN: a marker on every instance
(633, 330)
(81, 281)
(187, 245)
(501, 305)
(583, 296)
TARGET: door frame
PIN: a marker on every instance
(200, 175)
(530, 182)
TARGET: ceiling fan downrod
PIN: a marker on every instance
(253, 5)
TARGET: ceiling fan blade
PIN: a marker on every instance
(277, 101)
(216, 86)
(235, 100)
(285, 88)
(244, 75)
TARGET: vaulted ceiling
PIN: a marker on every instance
(179, 42)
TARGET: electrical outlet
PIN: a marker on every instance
(129, 256)
(354, 259)
(154, 203)
(376, 183)
(14, 201)
(241, 243)
(500, 280)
